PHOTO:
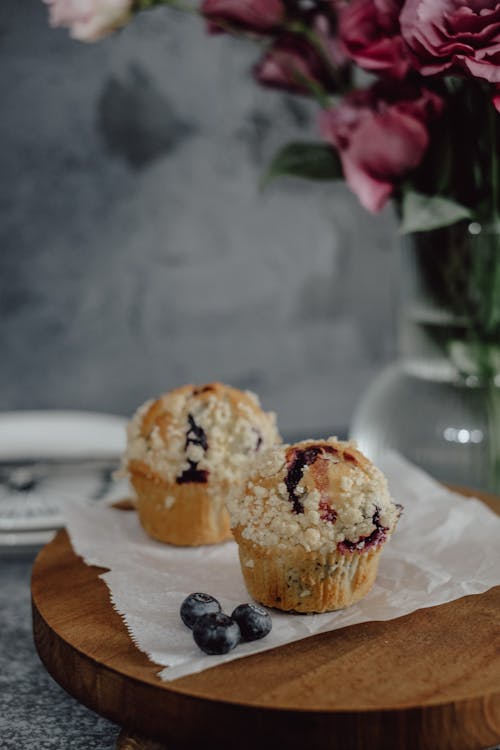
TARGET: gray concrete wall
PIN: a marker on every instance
(136, 251)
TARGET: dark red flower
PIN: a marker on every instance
(295, 64)
(370, 32)
(291, 64)
(496, 98)
(259, 16)
(454, 36)
(381, 134)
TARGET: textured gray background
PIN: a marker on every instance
(137, 252)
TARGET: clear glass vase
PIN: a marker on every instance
(439, 404)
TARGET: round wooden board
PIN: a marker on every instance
(426, 681)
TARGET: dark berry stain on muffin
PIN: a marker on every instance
(350, 457)
(193, 474)
(258, 433)
(377, 536)
(195, 435)
(298, 460)
(327, 513)
(204, 389)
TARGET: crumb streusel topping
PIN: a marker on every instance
(203, 434)
(320, 494)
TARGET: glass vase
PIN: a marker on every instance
(439, 403)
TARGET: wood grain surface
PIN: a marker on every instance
(426, 681)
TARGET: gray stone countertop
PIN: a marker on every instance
(35, 712)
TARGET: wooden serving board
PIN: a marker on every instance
(426, 681)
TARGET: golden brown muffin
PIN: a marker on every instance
(311, 524)
(186, 451)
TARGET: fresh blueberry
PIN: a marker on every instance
(216, 633)
(196, 605)
(254, 621)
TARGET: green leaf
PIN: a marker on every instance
(478, 358)
(314, 161)
(421, 212)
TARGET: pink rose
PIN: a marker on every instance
(454, 36)
(260, 16)
(371, 35)
(381, 134)
(293, 64)
(496, 98)
(89, 20)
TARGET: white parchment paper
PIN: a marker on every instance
(445, 547)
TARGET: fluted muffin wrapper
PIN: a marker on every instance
(295, 580)
(195, 517)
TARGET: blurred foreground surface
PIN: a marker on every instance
(34, 711)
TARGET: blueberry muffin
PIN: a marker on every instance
(186, 451)
(310, 524)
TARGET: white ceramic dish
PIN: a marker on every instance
(60, 434)
(79, 449)
(25, 542)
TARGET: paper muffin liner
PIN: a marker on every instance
(307, 582)
(181, 514)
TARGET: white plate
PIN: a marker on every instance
(52, 435)
(60, 434)
(24, 542)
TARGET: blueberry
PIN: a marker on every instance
(216, 633)
(254, 621)
(196, 605)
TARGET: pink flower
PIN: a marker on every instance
(381, 134)
(496, 98)
(370, 32)
(293, 64)
(454, 36)
(260, 16)
(89, 20)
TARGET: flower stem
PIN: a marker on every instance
(176, 4)
(493, 409)
(494, 167)
(301, 30)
